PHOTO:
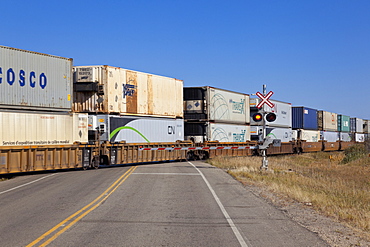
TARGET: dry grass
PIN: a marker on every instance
(341, 191)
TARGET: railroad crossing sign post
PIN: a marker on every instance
(264, 100)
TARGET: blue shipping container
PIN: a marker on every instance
(304, 118)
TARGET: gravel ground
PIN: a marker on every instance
(333, 232)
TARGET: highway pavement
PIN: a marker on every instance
(161, 204)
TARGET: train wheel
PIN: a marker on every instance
(95, 162)
(189, 155)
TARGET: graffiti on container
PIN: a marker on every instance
(23, 78)
(128, 90)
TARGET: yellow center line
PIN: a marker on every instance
(82, 212)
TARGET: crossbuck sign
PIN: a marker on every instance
(265, 100)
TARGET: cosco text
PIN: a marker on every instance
(32, 79)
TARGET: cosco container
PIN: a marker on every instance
(215, 105)
(343, 123)
(357, 125)
(304, 118)
(113, 90)
(282, 110)
(34, 81)
(30, 129)
(207, 131)
(132, 129)
(283, 134)
(329, 136)
(327, 121)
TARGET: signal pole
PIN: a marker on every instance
(264, 116)
(265, 162)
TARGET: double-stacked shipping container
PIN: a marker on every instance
(213, 114)
(39, 130)
(305, 126)
(358, 126)
(129, 106)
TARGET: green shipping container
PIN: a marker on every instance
(343, 123)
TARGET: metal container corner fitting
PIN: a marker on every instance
(113, 90)
(34, 81)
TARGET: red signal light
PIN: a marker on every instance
(271, 117)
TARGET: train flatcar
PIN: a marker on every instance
(65, 117)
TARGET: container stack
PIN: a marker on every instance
(35, 100)
(344, 128)
(328, 125)
(280, 129)
(304, 122)
(213, 114)
(357, 129)
(129, 106)
(367, 129)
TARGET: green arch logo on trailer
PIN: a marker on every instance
(115, 132)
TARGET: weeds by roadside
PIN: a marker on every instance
(322, 180)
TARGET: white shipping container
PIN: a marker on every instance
(345, 136)
(106, 89)
(357, 125)
(34, 81)
(283, 134)
(200, 132)
(359, 137)
(282, 110)
(309, 135)
(30, 129)
(132, 129)
(218, 105)
(329, 136)
(228, 132)
(327, 121)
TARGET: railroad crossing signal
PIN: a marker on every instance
(271, 117)
(265, 100)
(257, 117)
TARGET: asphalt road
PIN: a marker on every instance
(163, 204)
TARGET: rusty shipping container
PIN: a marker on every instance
(113, 90)
(34, 81)
(41, 129)
(327, 121)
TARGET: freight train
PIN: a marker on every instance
(56, 116)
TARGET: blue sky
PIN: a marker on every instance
(310, 53)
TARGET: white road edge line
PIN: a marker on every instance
(27, 184)
(163, 173)
(227, 216)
